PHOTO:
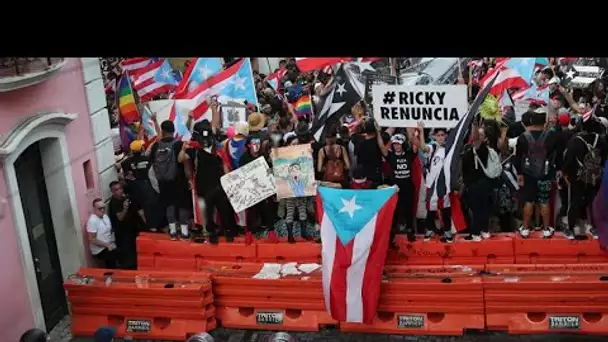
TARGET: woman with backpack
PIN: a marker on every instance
(480, 166)
(333, 161)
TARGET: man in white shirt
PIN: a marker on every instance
(101, 237)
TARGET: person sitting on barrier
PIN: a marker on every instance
(35, 335)
(535, 161)
(101, 236)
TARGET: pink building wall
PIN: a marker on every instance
(65, 92)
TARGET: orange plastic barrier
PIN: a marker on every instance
(496, 250)
(141, 305)
(427, 301)
(302, 252)
(157, 251)
(557, 250)
(532, 299)
(293, 303)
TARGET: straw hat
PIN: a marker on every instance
(256, 122)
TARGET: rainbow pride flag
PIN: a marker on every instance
(127, 108)
(303, 106)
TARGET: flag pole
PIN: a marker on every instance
(255, 93)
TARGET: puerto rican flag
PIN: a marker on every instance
(536, 95)
(512, 73)
(132, 65)
(306, 64)
(177, 115)
(274, 79)
(232, 84)
(355, 230)
(154, 79)
(198, 71)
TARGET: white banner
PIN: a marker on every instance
(404, 106)
(249, 185)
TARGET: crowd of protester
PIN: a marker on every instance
(551, 148)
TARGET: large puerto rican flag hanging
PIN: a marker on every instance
(355, 230)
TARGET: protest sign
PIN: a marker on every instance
(233, 113)
(249, 184)
(294, 171)
(405, 106)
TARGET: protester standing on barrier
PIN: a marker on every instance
(535, 161)
(401, 158)
(439, 203)
(101, 236)
(585, 158)
(172, 181)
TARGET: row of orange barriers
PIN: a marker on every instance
(156, 251)
(518, 299)
(142, 305)
(425, 300)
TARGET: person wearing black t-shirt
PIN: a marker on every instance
(123, 215)
(209, 167)
(478, 187)
(173, 184)
(369, 148)
(536, 147)
(400, 159)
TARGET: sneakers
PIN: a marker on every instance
(593, 233)
(429, 235)
(588, 228)
(564, 221)
(411, 237)
(184, 237)
(524, 232)
(173, 236)
(577, 230)
(448, 237)
(473, 237)
(568, 234)
(548, 232)
(486, 235)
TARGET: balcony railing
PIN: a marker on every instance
(20, 72)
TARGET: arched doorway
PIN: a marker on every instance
(38, 145)
(40, 230)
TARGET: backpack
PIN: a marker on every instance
(165, 162)
(536, 163)
(334, 166)
(590, 170)
(494, 168)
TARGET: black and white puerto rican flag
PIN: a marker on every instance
(345, 92)
(445, 181)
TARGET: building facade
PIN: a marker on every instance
(56, 156)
